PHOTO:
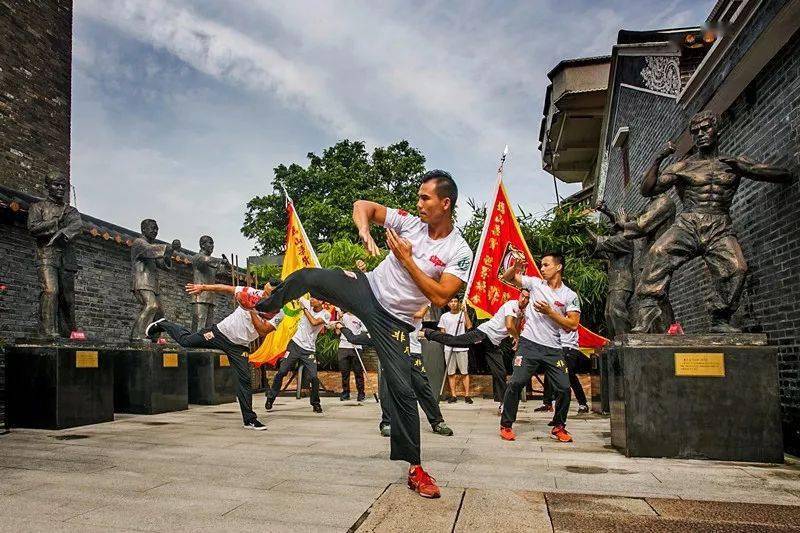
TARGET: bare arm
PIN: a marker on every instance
(314, 321)
(568, 323)
(757, 171)
(364, 214)
(422, 312)
(654, 182)
(197, 288)
(513, 274)
(263, 327)
(512, 325)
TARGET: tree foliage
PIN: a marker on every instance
(324, 192)
(560, 230)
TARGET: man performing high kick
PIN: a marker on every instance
(429, 260)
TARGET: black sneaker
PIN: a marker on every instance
(452, 399)
(467, 399)
(552, 423)
(153, 330)
(583, 409)
(442, 429)
(344, 397)
(268, 403)
(317, 408)
(255, 425)
(361, 397)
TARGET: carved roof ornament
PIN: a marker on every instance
(662, 74)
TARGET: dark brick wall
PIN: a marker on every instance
(35, 76)
(763, 124)
(105, 306)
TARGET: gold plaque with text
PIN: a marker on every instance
(85, 359)
(170, 360)
(709, 365)
(223, 360)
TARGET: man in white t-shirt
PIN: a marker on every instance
(302, 350)
(232, 335)
(429, 261)
(553, 307)
(456, 359)
(495, 335)
(348, 359)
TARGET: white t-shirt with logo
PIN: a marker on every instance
(237, 326)
(351, 322)
(306, 334)
(540, 328)
(495, 328)
(569, 339)
(391, 283)
(453, 324)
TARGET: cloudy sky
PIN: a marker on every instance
(182, 109)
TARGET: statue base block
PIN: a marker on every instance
(696, 397)
(211, 380)
(58, 386)
(149, 380)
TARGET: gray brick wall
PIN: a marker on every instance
(105, 306)
(35, 92)
(763, 124)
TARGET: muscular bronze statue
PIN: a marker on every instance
(204, 269)
(147, 257)
(706, 183)
(618, 253)
(54, 225)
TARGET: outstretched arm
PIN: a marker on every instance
(197, 288)
(757, 171)
(263, 326)
(513, 274)
(364, 214)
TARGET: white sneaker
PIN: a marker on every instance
(255, 425)
(151, 325)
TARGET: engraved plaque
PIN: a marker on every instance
(700, 364)
(223, 360)
(170, 360)
(85, 359)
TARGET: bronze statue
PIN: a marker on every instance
(55, 224)
(147, 257)
(204, 269)
(618, 253)
(706, 183)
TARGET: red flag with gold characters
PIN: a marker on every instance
(501, 240)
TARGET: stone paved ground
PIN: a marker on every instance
(199, 470)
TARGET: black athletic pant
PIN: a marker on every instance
(419, 381)
(571, 356)
(494, 355)
(296, 356)
(348, 360)
(351, 291)
(530, 357)
(237, 356)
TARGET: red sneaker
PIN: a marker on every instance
(560, 434)
(420, 481)
(507, 433)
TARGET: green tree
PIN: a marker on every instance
(324, 192)
(560, 230)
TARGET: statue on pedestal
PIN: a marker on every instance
(204, 270)
(706, 183)
(147, 256)
(55, 224)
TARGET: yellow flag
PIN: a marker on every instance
(299, 254)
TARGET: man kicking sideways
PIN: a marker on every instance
(232, 335)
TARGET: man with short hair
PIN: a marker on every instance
(348, 358)
(302, 350)
(493, 334)
(554, 307)
(456, 359)
(232, 335)
(429, 261)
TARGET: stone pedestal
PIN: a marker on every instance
(3, 403)
(150, 379)
(59, 386)
(600, 380)
(211, 380)
(696, 397)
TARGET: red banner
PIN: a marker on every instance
(500, 240)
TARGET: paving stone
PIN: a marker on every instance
(592, 504)
(400, 510)
(763, 514)
(503, 510)
(587, 523)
